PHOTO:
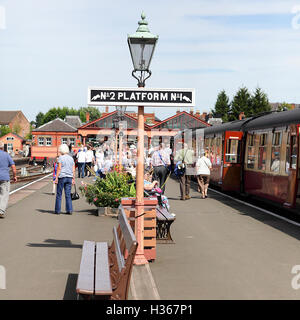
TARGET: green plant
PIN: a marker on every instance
(108, 192)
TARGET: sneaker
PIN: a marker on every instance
(187, 197)
(2, 215)
(173, 214)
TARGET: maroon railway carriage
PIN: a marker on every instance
(258, 156)
(224, 143)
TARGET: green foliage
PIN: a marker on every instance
(241, 103)
(61, 113)
(109, 191)
(222, 107)
(93, 111)
(4, 130)
(39, 119)
(29, 135)
(284, 106)
(260, 102)
(16, 128)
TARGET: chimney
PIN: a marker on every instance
(87, 117)
(177, 111)
(203, 116)
(197, 114)
(192, 111)
(241, 116)
(106, 109)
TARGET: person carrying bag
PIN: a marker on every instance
(184, 159)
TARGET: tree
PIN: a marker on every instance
(39, 119)
(241, 103)
(284, 106)
(93, 111)
(222, 107)
(259, 102)
(16, 128)
(4, 130)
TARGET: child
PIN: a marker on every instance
(55, 165)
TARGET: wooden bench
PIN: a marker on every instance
(105, 271)
(164, 221)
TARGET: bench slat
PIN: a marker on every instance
(128, 234)
(102, 276)
(163, 214)
(120, 257)
(85, 282)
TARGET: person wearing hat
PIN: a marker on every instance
(5, 163)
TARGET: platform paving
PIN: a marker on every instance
(225, 250)
(41, 251)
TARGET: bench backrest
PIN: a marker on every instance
(122, 253)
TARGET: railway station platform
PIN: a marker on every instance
(223, 249)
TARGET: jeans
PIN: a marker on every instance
(66, 184)
(81, 169)
(4, 195)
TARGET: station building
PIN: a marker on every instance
(13, 143)
(49, 136)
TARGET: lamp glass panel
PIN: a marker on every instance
(141, 53)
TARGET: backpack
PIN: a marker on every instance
(179, 169)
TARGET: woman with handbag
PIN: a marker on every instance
(65, 178)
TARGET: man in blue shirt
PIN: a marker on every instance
(5, 162)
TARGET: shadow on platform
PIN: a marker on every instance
(70, 291)
(53, 243)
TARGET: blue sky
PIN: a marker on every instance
(52, 50)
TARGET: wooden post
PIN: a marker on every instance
(139, 204)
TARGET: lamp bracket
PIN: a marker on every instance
(142, 77)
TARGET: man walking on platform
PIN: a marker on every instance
(160, 164)
(185, 156)
(5, 162)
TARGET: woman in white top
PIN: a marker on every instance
(203, 167)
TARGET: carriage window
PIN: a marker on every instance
(251, 152)
(275, 154)
(288, 153)
(262, 151)
(232, 151)
(294, 152)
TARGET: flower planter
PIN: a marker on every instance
(107, 211)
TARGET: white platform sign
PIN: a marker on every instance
(141, 97)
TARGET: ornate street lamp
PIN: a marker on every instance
(141, 45)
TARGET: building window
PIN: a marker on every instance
(275, 154)
(10, 138)
(64, 140)
(48, 141)
(10, 147)
(41, 141)
(262, 151)
(72, 141)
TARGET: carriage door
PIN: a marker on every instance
(231, 177)
(296, 150)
